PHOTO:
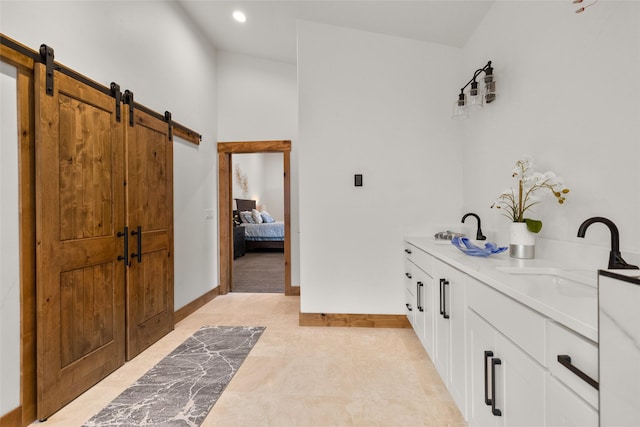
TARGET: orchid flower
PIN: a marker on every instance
(516, 202)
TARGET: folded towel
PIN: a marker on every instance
(469, 248)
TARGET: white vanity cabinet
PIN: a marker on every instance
(566, 408)
(419, 294)
(510, 352)
(572, 394)
(435, 301)
(409, 289)
(450, 341)
(506, 386)
(533, 388)
(425, 313)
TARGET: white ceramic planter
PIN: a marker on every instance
(522, 242)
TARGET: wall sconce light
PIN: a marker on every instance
(478, 96)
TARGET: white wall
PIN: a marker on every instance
(257, 98)
(567, 95)
(273, 189)
(258, 101)
(150, 48)
(251, 169)
(9, 244)
(263, 172)
(379, 106)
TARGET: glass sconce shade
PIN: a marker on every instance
(489, 86)
(476, 98)
(459, 110)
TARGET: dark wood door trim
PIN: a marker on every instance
(26, 413)
(225, 150)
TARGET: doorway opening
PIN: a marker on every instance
(226, 206)
(258, 223)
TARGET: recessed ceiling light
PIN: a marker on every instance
(239, 16)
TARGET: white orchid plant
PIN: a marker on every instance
(515, 202)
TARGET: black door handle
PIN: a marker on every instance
(444, 299)
(420, 285)
(495, 411)
(409, 307)
(408, 251)
(138, 234)
(487, 401)
(124, 257)
(408, 275)
(441, 310)
(565, 361)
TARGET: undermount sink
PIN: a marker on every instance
(553, 276)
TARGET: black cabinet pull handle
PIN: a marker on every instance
(409, 307)
(565, 361)
(495, 411)
(419, 288)
(408, 275)
(444, 299)
(408, 251)
(487, 401)
(124, 257)
(441, 309)
(138, 234)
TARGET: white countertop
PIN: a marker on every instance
(570, 304)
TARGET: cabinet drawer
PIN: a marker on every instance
(409, 250)
(410, 306)
(409, 282)
(522, 325)
(422, 259)
(565, 408)
(583, 354)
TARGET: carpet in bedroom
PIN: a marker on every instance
(259, 272)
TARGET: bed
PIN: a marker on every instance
(263, 235)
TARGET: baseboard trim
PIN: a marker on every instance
(354, 320)
(12, 418)
(190, 308)
(295, 291)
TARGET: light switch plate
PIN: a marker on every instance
(208, 214)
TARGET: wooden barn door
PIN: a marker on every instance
(79, 213)
(150, 221)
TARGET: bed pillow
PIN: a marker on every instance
(266, 218)
(257, 217)
(245, 216)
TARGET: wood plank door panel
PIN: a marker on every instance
(150, 207)
(79, 211)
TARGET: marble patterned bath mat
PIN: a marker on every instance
(183, 387)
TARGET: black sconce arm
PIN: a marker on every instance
(476, 74)
(477, 96)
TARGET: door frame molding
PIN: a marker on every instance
(26, 412)
(225, 150)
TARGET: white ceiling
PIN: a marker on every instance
(270, 30)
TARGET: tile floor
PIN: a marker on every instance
(299, 376)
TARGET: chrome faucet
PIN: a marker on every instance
(615, 259)
(479, 235)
